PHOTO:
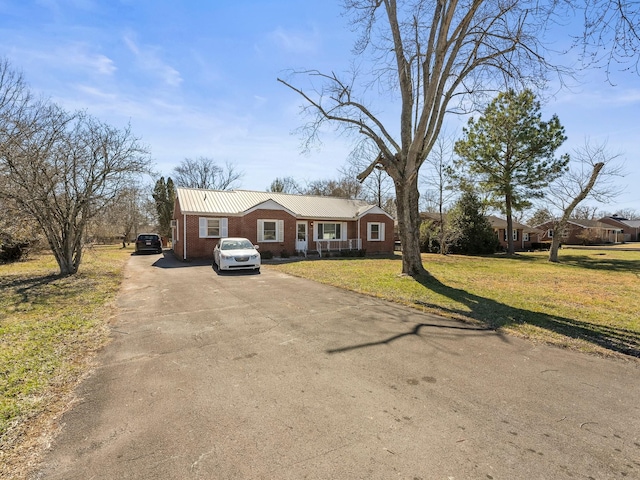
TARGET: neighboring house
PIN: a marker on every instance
(583, 232)
(630, 228)
(277, 222)
(523, 236)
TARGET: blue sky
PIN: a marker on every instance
(198, 78)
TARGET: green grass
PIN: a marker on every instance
(49, 328)
(587, 302)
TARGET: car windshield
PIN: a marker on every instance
(235, 245)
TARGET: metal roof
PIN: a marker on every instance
(592, 224)
(237, 202)
(632, 223)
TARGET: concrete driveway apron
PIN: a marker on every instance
(244, 376)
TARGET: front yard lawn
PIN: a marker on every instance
(588, 302)
(50, 326)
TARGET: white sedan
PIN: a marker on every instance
(236, 254)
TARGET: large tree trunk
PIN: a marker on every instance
(555, 245)
(409, 227)
(65, 242)
(68, 254)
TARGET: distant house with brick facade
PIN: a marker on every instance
(524, 236)
(277, 222)
(630, 228)
(583, 232)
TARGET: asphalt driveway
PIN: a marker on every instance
(244, 376)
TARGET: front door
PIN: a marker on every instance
(301, 237)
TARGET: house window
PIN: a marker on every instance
(213, 227)
(375, 232)
(565, 233)
(329, 231)
(550, 233)
(514, 234)
(270, 230)
(525, 236)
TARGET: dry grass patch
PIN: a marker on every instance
(50, 327)
(586, 302)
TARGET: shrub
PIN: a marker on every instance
(13, 251)
(475, 234)
(266, 255)
(284, 254)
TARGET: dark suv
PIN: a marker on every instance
(149, 242)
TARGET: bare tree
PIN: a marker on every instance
(60, 167)
(432, 54)
(586, 212)
(204, 172)
(441, 183)
(285, 185)
(628, 213)
(610, 34)
(589, 176)
(342, 188)
(438, 57)
(123, 216)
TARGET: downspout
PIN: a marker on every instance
(359, 241)
(184, 234)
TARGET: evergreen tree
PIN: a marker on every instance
(473, 232)
(512, 150)
(164, 195)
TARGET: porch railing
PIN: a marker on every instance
(327, 246)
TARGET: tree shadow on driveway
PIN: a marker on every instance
(414, 331)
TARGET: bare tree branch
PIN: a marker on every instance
(589, 176)
(437, 58)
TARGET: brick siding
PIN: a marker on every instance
(247, 226)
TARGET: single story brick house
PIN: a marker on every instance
(630, 228)
(523, 235)
(277, 222)
(583, 232)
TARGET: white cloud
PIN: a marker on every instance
(295, 41)
(98, 63)
(69, 57)
(150, 61)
